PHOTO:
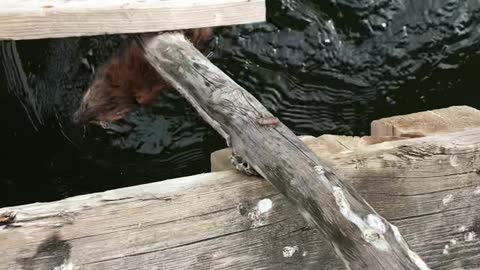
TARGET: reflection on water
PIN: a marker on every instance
(321, 68)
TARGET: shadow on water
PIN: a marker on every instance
(321, 68)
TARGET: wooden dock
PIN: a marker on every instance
(428, 186)
(421, 174)
(36, 19)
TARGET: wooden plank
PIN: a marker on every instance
(359, 235)
(427, 123)
(326, 147)
(422, 123)
(212, 221)
(35, 19)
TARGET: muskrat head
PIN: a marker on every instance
(104, 102)
(126, 82)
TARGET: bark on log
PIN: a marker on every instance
(360, 236)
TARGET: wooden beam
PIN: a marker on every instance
(360, 236)
(227, 220)
(426, 123)
(399, 127)
(35, 19)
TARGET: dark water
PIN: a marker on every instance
(320, 66)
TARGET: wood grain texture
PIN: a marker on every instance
(426, 123)
(30, 19)
(428, 187)
(360, 237)
(434, 122)
(324, 146)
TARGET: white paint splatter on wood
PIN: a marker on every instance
(376, 223)
(412, 255)
(66, 266)
(289, 251)
(445, 250)
(259, 214)
(371, 234)
(321, 172)
(264, 205)
(454, 161)
(470, 236)
(447, 199)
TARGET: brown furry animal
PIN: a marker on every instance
(126, 82)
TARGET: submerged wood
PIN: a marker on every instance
(360, 236)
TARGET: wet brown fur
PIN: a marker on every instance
(126, 82)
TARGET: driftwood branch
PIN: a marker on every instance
(361, 237)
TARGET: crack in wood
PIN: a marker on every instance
(183, 245)
(422, 194)
(442, 212)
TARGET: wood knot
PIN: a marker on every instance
(7, 218)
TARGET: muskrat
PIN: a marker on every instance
(127, 81)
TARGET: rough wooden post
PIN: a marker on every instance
(361, 237)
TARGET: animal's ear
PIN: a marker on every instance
(199, 36)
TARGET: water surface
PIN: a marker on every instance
(320, 66)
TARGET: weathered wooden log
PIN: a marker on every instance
(360, 237)
(428, 187)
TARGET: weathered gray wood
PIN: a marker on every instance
(360, 237)
(325, 146)
(428, 187)
(34, 19)
(427, 123)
